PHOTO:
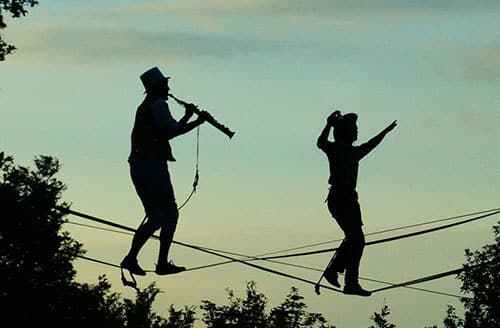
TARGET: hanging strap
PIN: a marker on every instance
(318, 284)
(196, 175)
(129, 283)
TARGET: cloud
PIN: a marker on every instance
(366, 10)
(480, 121)
(212, 14)
(107, 44)
(471, 61)
(482, 63)
(314, 8)
(181, 30)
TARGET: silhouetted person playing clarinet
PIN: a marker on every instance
(154, 126)
(342, 199)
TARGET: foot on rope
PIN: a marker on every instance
(356, 290)
(132, 266)
(168, 268)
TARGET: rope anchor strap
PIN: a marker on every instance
(318, 284)
(129, 283)
(196, 175)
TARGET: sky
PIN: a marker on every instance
(272, 71)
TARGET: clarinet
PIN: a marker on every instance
(210, 119)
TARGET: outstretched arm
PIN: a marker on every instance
(375, 141)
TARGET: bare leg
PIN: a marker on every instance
(166, 236)
(143, 233)
(164, 266)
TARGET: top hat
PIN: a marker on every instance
(152, 77)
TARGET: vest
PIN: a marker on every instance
(148, 141)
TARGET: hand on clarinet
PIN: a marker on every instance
(190, 109)
(204, 116)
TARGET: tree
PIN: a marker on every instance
(452, 320)
(480, 278)
(380, 319)
(292, 313)
(35, 257)
(37, 286)
(16, 8)
(250, 312)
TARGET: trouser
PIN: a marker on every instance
(344, 208)
(152, 183)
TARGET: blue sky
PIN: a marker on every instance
(272, 71)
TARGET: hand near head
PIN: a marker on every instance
(333, 118)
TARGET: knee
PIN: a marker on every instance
(356, 237)
(169, 218)
(165, 217)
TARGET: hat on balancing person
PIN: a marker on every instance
(152, 77)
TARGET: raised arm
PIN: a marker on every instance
(323, 137)
(368, 146)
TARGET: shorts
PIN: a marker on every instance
(152, 183)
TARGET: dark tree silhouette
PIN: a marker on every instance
(480, 279)
(16, 8)
(37, 287)
(140, 314)
(452, 320)
(250, 312)
(380, 319)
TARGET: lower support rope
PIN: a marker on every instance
(428, 278)
(373, 242)
(319, 270)
(317, 285)
(201, 249)
(249, 258)
(385, 240)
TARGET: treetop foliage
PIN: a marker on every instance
(250, 312)
(16, 8)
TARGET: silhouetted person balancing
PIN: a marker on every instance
(154, 126)
(342, 199)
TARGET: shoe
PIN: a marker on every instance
(332, 277)
(168, 268)
(132, 266)
(356, 290)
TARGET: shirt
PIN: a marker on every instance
(154, 126)
(343, 159)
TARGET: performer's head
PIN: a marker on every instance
(155, 83)
(345, 128)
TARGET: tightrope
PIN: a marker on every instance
(215, 253)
